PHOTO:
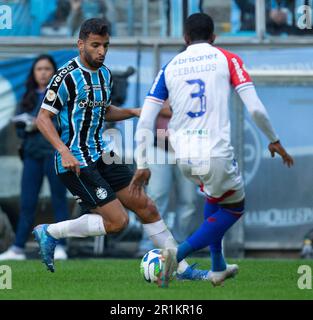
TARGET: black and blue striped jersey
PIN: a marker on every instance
(79, 97)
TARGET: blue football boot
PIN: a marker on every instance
(191, 273)
(46, 244)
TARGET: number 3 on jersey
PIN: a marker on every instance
(200, 94)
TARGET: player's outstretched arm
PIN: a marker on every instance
(114, 113)
(47, 128)
(144, 132)
(259, 115)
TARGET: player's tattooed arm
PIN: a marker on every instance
(114, 113)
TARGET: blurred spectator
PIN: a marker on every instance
(38, 161)
(220, 10)
(166, 179)
(307, 248)
(247, 14)
(56, 24)
(28, 16)
(82, 10)
(281, 16)
(70, 14)
(6, 231)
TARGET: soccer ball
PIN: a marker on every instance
(150, 265)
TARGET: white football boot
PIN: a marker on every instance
(218, 278)
(168, 267)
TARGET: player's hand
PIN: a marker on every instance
(69, 162)
(140, 179)
(278, 148)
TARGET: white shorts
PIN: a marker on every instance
(219, 177)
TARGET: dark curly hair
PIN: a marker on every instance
(97, 26)
(29, 100)
(199, 26)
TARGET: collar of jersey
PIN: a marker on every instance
(77, 59)
(197, 45)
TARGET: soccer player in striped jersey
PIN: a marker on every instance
(80, 95)
(197, 83)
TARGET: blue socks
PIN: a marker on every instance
(183, 250)
(217, 221)
(212, 229)
(217, 258)
(218, 262)
(209, 209)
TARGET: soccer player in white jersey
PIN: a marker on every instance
(197, 83)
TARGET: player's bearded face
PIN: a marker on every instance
(94, 50)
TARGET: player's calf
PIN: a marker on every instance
(149, 213)
(115, 217)
(117, 225)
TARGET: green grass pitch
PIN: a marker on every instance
(120, 279)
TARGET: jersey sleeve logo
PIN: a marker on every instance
(60, 75)
(51, 95)
(156, 81)
(238, 70)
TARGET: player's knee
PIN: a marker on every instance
(125, 222)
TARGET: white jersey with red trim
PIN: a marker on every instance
(197, 83)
